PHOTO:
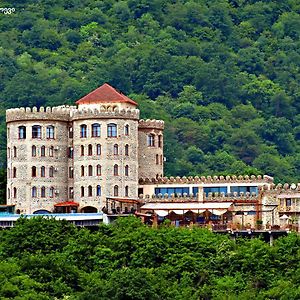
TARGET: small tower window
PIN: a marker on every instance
(8, 172)
(33, 171)
(111, 130)
(36, 132)
(116, 170)
(90, 191)
(151, 140)
(33, 192)
(98, 149)
(96, 130)
(126, 170)
(71, 172)
(15, 192)
(82, 191)
(126, 191)
(98, 168)
(126, 150)
(51, 171)
(51, 192)
(160, 141)
(90, 150)
(50, 132)
(82, 150)
(98, 190)
(51, 150)
(71, 193)
(22, 132)
(14, 172)
(157, 159)
(43, 151)
(70, 152)
(43, 171)
(116, 149)
(82, 170)
(116, 191)
(83, 131)
(70, 132)
(8, 152)
(15, 151)
(126, 129)
(43, 192)
(8, 193)
(33, 151)
(90, 170)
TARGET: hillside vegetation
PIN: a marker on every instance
(47, 259)
(224, 75)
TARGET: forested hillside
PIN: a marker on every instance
(47, 259)
(224, 75)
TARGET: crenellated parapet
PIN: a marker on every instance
(104, 112)
(207, 179)
(151, 124)
(286, 189)
(58, 113)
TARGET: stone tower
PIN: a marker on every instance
(77, 156)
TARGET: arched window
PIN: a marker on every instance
(160, 141)
(8, 152)
(151, 140)
(43, 171)
(126, 129)
(82, 150)
(90, 191)
(98, 190)
(15, 151)
(116, 191)
(161, 159)
(51, 192)
(33, 192)
(90, 150)
(96, 130)
(98, 149)
(157, 159)
(22, 132)
(43, 192)
(15, 192)
(8, 193)
(82, 170)
(90, 170)
(51, 150)
(8, 172)
(112, 130)
(83, 131)
(82, 191)
(33, 151)
(116, 149)
(70, 132)
(126, 170)
(51, 171)
(33, 171)
(43, 151)
(50, 132)
(36, 132)
(116, 170)
(126, 150)
(126, 191)
(98, 168)
(14, 172)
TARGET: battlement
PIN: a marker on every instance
(105, 113)
(208, 179)
(151, 124)
(68, 113)
(287, 189)
(58, 113)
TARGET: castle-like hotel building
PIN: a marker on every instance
(71, 158)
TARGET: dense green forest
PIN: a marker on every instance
(48, 259)
(223, 74)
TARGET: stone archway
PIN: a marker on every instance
(41, 212)
(89, 210)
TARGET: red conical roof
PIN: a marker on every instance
(105, 94)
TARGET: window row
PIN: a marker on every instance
(98, 150)
(90, 170)
(36, 132)
(14, 193)
(43, 191)
(14, 152)
(34, 171)
(112, 130)
(98, 191)
(151, 140)
(34, 151)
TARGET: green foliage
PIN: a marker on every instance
(224, 75)
(128, 260)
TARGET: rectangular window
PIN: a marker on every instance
(71, 192)
(169, 191)
(36, 132)
(70, 152)
(214, 190)
(288, 202)
(71, 172)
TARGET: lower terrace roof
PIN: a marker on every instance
(186, 205)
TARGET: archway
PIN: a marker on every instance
(41, 212)
(89, 209)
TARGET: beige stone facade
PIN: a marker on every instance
(80, 154)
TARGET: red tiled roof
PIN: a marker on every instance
(105, 94)
(68, 203)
